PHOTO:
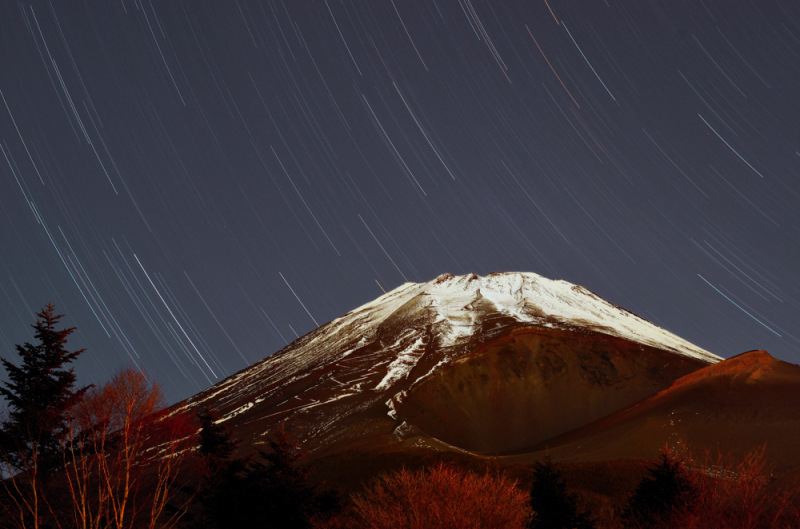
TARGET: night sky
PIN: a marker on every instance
(195, 184)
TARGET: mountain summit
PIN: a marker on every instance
(488, 364)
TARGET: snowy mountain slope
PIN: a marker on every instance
(531, 298)
(363, 363)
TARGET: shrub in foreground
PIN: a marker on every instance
(441, 497)
(710, 492)
(734, 493)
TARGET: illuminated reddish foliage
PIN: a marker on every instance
(441, 497)
(734, 493)
(120, 464)
(718, 492)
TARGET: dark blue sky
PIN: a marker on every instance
(194, 184)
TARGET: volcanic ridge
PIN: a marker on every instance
(485, 365)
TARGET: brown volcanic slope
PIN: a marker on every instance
(734, 406)
(525, 385)
(461, 364)
(532, 384)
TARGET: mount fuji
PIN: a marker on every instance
(478, 365)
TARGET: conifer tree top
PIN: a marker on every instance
(553, 506)
(667, 488)
(39, 391)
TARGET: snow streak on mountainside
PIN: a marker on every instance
(374, 348)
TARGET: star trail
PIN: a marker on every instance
(196, 184)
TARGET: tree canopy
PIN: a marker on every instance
(552, 505)
(39, 392)
(667, 489)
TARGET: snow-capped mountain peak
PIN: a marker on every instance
(379, 354)
(528, 298)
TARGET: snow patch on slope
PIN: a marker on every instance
(403, 364)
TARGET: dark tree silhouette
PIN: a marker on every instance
(552, 505)
(220, 481)
(216, 442)
(40, 392)
(667, 490)
(271, 491)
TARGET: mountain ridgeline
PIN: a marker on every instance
(495, 365)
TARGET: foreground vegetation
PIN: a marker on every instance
(114, 456)
(91, 457)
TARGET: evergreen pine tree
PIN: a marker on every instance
(216, 442)
(220, 484)
(666, 490)
(39, 393)
(552, 505)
